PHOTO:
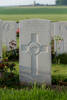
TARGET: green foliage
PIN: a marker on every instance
(58, 37)
(10, 80)
(10, 66)
(13, 55)
(59, 73)
(57, 78)
(60, 59)
(61, 2)
(8, 75)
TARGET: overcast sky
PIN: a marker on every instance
(24, 2)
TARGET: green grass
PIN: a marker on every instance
(59, 73)
(54, 17)
(59, 70)
(17, 42)
(33, 94)
(21, 13)
(33, 10)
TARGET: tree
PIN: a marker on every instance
(61, 2)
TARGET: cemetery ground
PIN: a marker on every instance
(19, 13)
(10, 89)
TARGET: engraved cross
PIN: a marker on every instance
(34, 48)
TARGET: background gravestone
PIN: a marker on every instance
(0, 39)
(52, 30)
(64, 35)
(60, 30)
(9, 33)
(58, 44)
(4, 31)
(35, 51)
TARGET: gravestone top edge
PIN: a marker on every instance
(60, 22)
(9, 21)
(45, 20)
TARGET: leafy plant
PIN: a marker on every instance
(13, 54)
(11, 67)
(59, 59)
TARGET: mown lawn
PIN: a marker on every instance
(52, 17)
(21, 13)
(33, 10)
(33, 94)
(59, 70)
(59, 73)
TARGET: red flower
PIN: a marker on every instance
(18, 31)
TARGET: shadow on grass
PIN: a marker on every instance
(10, 81)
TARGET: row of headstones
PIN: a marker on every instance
(35, 49)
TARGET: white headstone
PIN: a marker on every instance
(64, 35)
(0, 39)
(4, 31)
(60, 31)
(52, 30)
(9, 34)
(35, 51)
(17, 23)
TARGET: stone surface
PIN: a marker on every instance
(9, 34)
(52, 30)
(64, 35)
(4, 31)
(60, 30)
(0, 39)
(35, 51)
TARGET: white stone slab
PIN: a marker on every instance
(64, 35)
(52, 30)
(35, 51)
(60, 29)
(0, 39)
(9, 34)
(4, 31)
